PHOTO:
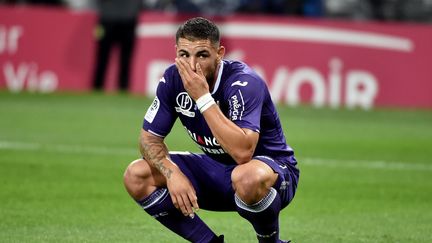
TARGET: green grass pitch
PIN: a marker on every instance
(366, 176)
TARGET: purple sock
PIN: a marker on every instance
(263, 215)
(159, 206)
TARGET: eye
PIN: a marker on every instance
(202, 56)
(183, 54)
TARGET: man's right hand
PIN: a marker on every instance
(182, 193)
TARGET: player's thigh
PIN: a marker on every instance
(211, 180)
(201, 170)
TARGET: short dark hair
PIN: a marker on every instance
(199, 28)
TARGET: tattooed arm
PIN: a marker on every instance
(155, 152)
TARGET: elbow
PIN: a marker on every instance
(245, 149)
(243, 156)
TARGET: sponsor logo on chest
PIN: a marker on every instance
(207, 144)
(185, 104)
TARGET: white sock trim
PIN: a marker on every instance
(260, 206)
(267, 236)
(158, 196)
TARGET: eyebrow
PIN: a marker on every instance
(198, 53)
(203, 52)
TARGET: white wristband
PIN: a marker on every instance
(206, 106)
(204, 102)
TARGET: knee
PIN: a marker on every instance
(136, 178)
(135, 171)
(251, 185)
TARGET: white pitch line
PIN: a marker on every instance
(366, 164)
(63, 148)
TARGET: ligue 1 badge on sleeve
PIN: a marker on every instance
(152, 110)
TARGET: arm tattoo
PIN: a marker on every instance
(154, 151)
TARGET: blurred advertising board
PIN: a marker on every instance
(46, 49)
(320, 62)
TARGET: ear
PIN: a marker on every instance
(220, 53)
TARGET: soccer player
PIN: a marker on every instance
(227, 110)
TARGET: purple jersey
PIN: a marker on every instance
(241, 95)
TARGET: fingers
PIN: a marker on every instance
(186, 203)
(182, 68)
(187, 208)
(194, 201)
(186, 71)
(199, 70)
(193, 78)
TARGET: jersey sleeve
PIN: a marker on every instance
(160, 116)
(245, 100)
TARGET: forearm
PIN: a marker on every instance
(237, 142)
(155, 152)
(182, 193)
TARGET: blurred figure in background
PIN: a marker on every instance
(227, 7)
(81, 4)
(283, 7)
(35, 2)
(313, 8)
(204, 7)
(377, 9)
(46, 2)
(118, 20)
(207, 7)
(382, 10)
(412, 10)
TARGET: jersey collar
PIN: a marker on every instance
(218, 80)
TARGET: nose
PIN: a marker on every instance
(192, 63)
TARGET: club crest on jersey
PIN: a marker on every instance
(184, 104)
